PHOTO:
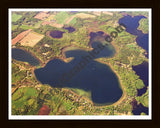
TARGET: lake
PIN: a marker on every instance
(84, 72)
(22, 55)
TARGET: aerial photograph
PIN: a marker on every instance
(79, 62)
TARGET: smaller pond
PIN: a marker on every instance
(70, 29)
(56, 34)
(22, 55)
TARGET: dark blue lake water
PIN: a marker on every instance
(22, 55)
(83, 72)
(142, 40)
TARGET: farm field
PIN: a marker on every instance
(108, 13)
(73, 21)
(31, 39)
(61, 17)
(15, 17)
(25, 27)
(84, 16)
(20, 36)
(41, 15)
(50, 18)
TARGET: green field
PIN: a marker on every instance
(15, 17)
(26, 27)
(61, 16)
(73, 21)
(37, 25)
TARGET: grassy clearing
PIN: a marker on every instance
(15, 17)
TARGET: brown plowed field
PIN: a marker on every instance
(41, 15)
(56, 25)
(20, 36)
(46, 22)
(53, 24)
(31, 39)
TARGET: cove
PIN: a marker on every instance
(95, 77)
(22, 55)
